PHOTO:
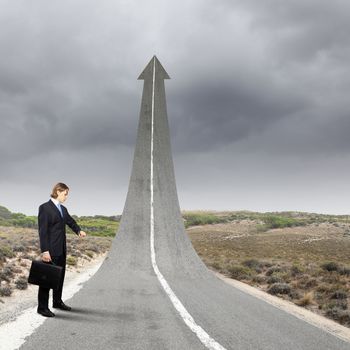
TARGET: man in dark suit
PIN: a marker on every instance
(52, 219)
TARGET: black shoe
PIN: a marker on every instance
(46, 312)
(61, 305)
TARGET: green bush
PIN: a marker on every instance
(277, 221)
(6, 252)
(5, 213)
(21, 220)
(194, 219)
(239, 272)
(99, 226)
(261, 228)
(71, 260)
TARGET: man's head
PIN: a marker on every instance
(60, 192)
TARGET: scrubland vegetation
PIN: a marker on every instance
(300, 257)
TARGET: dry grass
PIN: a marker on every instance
(307, 299)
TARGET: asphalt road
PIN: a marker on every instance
(153, 291)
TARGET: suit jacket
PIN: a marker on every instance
(52, 228)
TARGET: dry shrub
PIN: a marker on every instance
(340, 315)
(19, 248)
(324, 288)
(275, 269)
(275, 278)
(279, 288)
(6, 273)
(296, 270)
(21, 283)
(340, 294)
(5, 291)
(295, 294)
(311, 283)
(330, 266)
(76, 253)
(16, 269)
(307, 299)
(94, 248)
(215, 264)
(259, 279)
(252, 264)
(306, 282)
(239, 272)
(345, 271)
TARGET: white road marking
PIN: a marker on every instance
(13, 334)
(203, 336)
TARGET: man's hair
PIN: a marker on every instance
(58, 187)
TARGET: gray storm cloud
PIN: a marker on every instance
(264, 83)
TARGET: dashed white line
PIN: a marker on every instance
(203, 336)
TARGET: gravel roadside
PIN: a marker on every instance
(21, 300)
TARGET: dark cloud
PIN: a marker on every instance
(256, 85)
(299, 29)
(290, 72)
(217, 113)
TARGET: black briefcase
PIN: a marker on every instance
(45, 274)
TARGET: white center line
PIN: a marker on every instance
(203, 336)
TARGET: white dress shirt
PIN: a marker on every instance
(55, 201)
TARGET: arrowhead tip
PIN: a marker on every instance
(148, 71)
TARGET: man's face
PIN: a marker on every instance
(62, 196)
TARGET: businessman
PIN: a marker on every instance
(52, 220)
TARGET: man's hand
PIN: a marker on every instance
(82, 234)
(46, 257)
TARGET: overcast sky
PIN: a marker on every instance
(258, 101)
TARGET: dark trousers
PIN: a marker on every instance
(43, 294)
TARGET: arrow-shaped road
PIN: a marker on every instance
(153, 291)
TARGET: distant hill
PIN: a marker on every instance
(7, 218)
(97, 225)
(5, 213)
(101, 225)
